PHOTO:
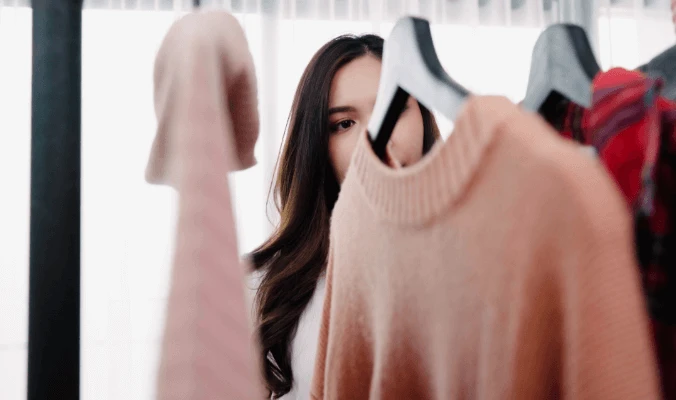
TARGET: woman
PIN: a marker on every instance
(332, 106)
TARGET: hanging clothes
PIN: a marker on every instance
(633, 130)
(488, 270)
(203, 63)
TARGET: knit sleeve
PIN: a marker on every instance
(204, 86)
(606, 349)
(317, 387)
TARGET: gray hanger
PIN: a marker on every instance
(563, 62)
(411, 67)
(664, 65)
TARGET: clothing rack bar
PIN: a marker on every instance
(54, 284)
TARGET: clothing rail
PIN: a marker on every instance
(54, 284)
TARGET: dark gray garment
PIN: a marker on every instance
(664, 65)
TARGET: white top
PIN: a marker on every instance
(304, 346)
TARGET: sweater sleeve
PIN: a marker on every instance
(200, 71)
(204, 86)
(607, 352)
(317, 387)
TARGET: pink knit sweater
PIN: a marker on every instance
(492, 269)
(203, 64)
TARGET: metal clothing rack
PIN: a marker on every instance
(54, 283)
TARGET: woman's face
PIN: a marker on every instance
(353, 94)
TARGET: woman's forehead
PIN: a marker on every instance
(356, 84)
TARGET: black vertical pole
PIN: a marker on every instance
(196, 3)
(54, 284)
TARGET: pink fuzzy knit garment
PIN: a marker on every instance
(500, 267)
(205, 100)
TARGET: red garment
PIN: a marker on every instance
(633, 130)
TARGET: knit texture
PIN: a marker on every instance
(205, 99)
(204, 78)
(632, 128)
(489, 270)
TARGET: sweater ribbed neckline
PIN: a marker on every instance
(418, 193)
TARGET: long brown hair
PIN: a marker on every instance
(305, 191)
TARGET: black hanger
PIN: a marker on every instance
(563, 63)
(411, 67)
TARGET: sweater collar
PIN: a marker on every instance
(416, 194)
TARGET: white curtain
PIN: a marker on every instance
(127, 225)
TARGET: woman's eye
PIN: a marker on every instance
(342, 125)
